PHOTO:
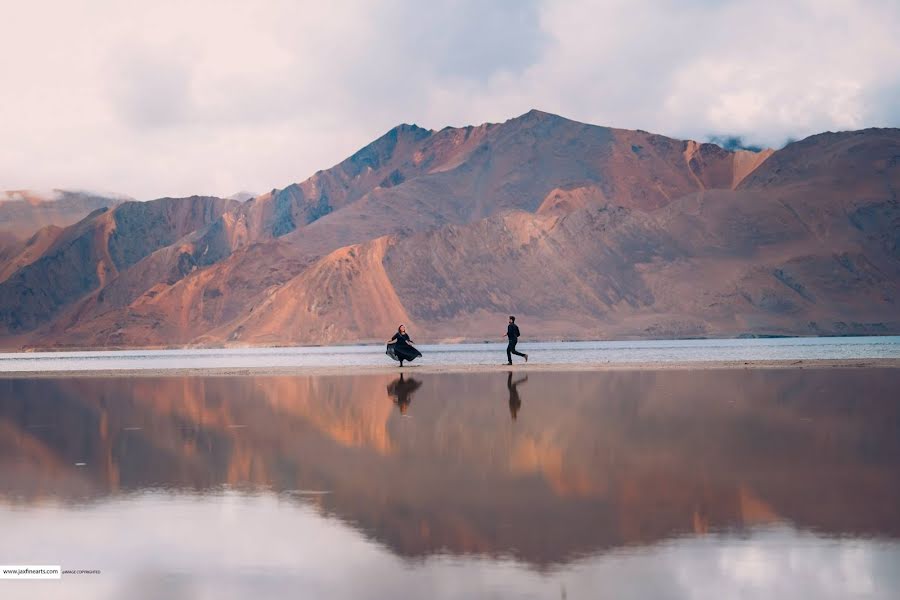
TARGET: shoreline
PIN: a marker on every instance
(308, 371)
(25, 349)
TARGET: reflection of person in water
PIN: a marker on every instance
(401, 390)
(514, 401)
(401, 348)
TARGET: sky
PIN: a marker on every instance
(173, 98)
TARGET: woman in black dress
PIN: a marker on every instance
(400, 347)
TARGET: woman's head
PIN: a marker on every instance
(401, 329)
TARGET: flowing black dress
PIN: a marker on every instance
(400, 349)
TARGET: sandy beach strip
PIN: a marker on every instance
(427, 369)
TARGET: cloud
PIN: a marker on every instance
(733, 142)
(150, 89)
(202, 96)
(469, 39)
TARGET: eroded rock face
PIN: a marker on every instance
(586, 231)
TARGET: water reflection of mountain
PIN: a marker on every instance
(597, 461)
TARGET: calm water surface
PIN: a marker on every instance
(465, 354)
(670, 484)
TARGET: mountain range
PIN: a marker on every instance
(582, 231)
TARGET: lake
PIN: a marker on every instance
(621, 484)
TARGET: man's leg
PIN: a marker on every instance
(510, 347)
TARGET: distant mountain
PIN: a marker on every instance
(585, 232)
(23, 212)
(242, 196)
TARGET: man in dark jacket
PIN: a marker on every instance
(512, 333)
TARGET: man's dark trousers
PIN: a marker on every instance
(511, 349)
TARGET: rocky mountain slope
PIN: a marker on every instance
(585, 232)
